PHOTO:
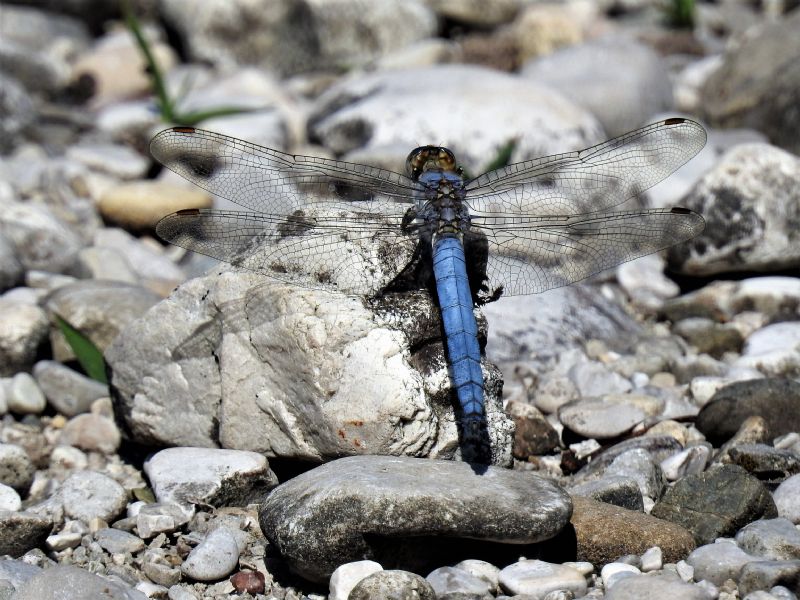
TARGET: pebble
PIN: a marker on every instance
(393, 585)
(68, 457)
(9, 498)
(23, 329)
(62, 541)
(652, 560)
(537, 578)
(23, 395)
(787, 499)
(115, 541)
(614, 571)
(447, 581)
(252, 582)
(140, 205)
(107, 499)
(485, 570)
(65, 581)
(718, 562)
(213, 558)
(345, 577)
(638, 587)
(690, 461)
(609, 416)
(68, 391)
(637, 464)
(773, 539)
(91, 433)
(16, 468)
(22, 531)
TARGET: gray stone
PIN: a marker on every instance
(608, 416)
(295, 36)
(393, 585)
(689, 461)
(765, 462)
(719, 561)
(466, 118)
(776, 400)
(69, 392)
(152, 267)
(613, 489)
(88, 495)
(485, 570)
(710, 337)
(23, 395)
(40, 239)
(115, 541)
(213, 558)
(22, 531)
(762, 575)
(210, 476)
(10, 268)
(107, 264)
(656, 586)
(342, 515)
(64, 581)
(158, 517)
(623, 98)
(757, 84)
(450, 582)
(716, 503)
(777, 298)
(62, 541)
(98, 309)
(743, 230)
(343, 378)
(658, 446)
(122, 162)
(787, 499)
(9, 498)
(773, 539)
(772, 350)
(17, 572)
(16, 468)
(17, 112)
(537, 578)
(637, 464)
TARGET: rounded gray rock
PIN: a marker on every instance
(339, 512)
(59, 582)
(214, 558)
(393, 585)
(16, 468)
(68, 391)
(89, 494)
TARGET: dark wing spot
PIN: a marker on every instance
(187, 212)
(674, 121)
(183, 129)
(199, 164)
(679, 210)
(295, 224)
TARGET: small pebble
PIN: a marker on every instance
(213, 558)
(9, 498)
(24, 396)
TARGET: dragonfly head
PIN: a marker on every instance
(428, 158)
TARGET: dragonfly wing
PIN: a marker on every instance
(270, 181)
(590, 180)
(528, 255)
(353, 253)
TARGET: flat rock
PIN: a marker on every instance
(116, 541)
(634, 533)
(537, 578)
(22, 531)
(339, 512)
(776, 400)
(17, 572)
(609, 416)
(716, 503)
(215, 477)
(68, 391)
(658, 586)
(63, 581)
(765, 462)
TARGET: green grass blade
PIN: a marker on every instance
(89, 356)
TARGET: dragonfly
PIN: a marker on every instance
(361, 230)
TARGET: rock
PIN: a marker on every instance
(744, 230)
(608, 416)
(652, 560)
(485, 570)
(622, 99)
(634, 533)
(23, 395)
(9, 498)
(17, 572)
(765, 462)
(537, 578)
(295, 36)
(475, 13)
(104, 263)
(773, 539)
(777, 298)
(156, 518)
(252, 582)
(716, 503)
(117, 67)
(777, 401)
(138, 206)
(67, 457)
(17, 112)
(787, 499)
(658, 586)
(69, 392)
(347, 116)
(106, 501)
(66, 581)
(709, 337)
(615, 571)
(345, 577)
(719, 561)
(122, 162)
(187, 476)
(756, 86)
(16, 468)
(447, 581)
(542, 28)
(40, 240)
(98, 309)
(765, 574)
(691, 461)
(613, 489)
(355, 489)
(10, 268)
(393, 585)
(115, 541)
(213, 558)
(91, 433)
(593, 378)
(772, 350)
(22, 531)
(644, 281)
(659, 447)
(638, 465)
(310, 400)
(533, 433)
